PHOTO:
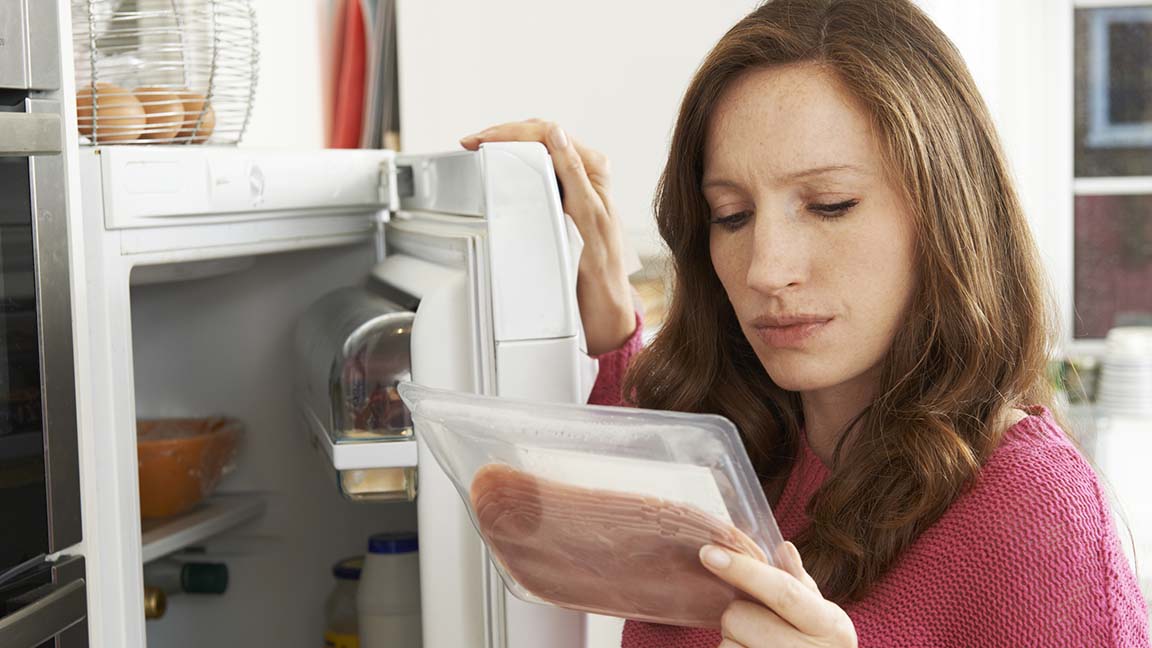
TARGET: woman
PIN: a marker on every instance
(857, 289)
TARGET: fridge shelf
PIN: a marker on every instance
(217, 515)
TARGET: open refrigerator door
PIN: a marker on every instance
(480, 256)
(200, 261)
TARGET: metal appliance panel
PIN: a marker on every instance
(29, 45)
(46, 608)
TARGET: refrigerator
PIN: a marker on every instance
(194, 266)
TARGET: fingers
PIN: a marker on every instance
(596, 164)
(788, 559)
(522, 131)
(775, 588)
(748, 624)
(584, 201)
(728, 643)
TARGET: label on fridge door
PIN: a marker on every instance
(338, 640)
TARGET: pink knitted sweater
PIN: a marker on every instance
(1028, 557)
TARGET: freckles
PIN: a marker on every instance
(729, 260)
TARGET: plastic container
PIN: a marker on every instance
(342, 628)
(378, 484)
(388, 603)
(601, 509)
(181, 461)
(352, 349)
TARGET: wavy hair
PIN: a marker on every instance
(980, 325)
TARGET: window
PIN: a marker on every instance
(1112, 161)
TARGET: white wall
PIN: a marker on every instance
(612, 73)
(1020, 53)
(288, 110)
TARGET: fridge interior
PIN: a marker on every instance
(222, 345)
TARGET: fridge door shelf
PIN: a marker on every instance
(215, 516)
(362, 455)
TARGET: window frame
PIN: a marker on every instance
(1101, 132)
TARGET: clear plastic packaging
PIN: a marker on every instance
(601, 509)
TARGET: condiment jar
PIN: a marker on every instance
(342, 629)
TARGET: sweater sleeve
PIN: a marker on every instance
(1045, 559)
(609, 386)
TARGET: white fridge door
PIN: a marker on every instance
(482, 244)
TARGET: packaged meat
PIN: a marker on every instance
(600, 509)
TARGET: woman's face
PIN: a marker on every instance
(811, 240)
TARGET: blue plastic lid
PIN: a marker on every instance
(393, 543)
(348, 569)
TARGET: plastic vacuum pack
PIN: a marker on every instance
(601, 509)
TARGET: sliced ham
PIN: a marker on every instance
(602, 551)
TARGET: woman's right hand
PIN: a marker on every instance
(602, 287)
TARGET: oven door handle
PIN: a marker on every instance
(23, 134)
(34, 624)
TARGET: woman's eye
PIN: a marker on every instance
(732, 222)
(829, 211)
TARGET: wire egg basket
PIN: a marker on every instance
(164, 71)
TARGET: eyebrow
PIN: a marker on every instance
(795, 175)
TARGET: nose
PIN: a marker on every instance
(779, 256)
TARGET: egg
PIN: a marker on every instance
(165, 112)
(194, 105)
(116, 117)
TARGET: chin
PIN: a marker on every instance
(801, 373)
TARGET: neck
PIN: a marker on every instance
(828, 411)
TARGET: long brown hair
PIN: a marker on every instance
(980, 326)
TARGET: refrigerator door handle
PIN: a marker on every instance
(31, 626)
(24, 134)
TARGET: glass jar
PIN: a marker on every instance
(342, 628)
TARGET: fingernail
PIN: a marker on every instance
(795, 553)
(715, 557)
(557, 138)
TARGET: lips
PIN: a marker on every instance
(791, 331)
(777, 321)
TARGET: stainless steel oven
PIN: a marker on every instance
(42, 593)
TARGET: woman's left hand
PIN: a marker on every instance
(788, 610)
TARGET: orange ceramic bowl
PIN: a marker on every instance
(181, 461)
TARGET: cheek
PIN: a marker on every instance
(727, 262)
(882, 277)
